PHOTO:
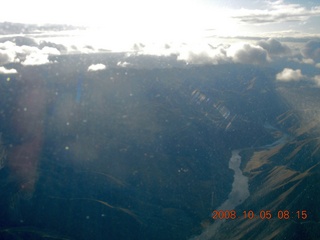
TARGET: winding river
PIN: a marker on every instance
(240, 186)
(239, 193)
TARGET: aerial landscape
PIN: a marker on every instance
(155, 133)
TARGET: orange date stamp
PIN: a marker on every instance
(262, 214)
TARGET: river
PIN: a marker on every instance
(240, 186)
(239, 193)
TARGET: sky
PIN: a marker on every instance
(258, 32)
(173, 19)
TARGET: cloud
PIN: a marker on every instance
(22, 28)
(274, 47)
(248, 54)
(27, 55)
(36, 56)
(50, 51)
(7, 52)
(138, 47)
(123, 64)
(318, 65)
(312, 50)
(289, 74)
(6, 56)
(96, 67)
(205, 54)
(316, 79)
(308, 61)
(238, 53)
(61, 48)
(23, 41)
(275, 12)
(4, 70)
(301, 60)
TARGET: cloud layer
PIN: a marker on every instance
(270, 52)
(275, 12)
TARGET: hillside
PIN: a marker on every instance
(284, 177)
(142, 152)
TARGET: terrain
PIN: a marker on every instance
(142, 151)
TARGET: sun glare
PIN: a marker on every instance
(122, 24)
(118, 25)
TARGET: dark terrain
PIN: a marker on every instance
(137, 152)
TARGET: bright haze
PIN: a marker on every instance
(200, 32)
(177, 20)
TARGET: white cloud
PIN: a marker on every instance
(302, 60)
(248, 54)
(308, 61)
(317, 80)
(4, 70)
(292, 35)
(96, 67)
(318, 65)
(61, 48)
(204, 54)
(7, 45)
(245, 53)
(50, 51)
(6, 56)
(26, 55)
(289, 74)
(275, 12)
(36, 59)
